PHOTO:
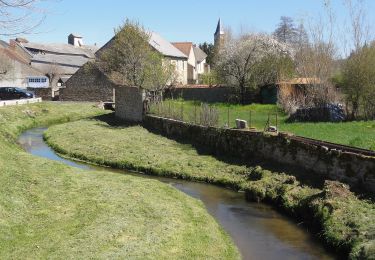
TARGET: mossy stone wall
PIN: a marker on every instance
(354, 169)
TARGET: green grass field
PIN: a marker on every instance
(50, 210)
(358, 133)
(345, 221)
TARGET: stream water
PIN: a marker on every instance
(257, 229)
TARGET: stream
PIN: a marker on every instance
(258, 230)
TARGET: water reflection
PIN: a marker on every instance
(257, 229)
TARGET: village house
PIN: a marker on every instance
(15, 67)
(89, 83)
(197, 64)
(57, 62)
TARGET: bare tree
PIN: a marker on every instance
(53, 74)
(315, 61)
(247, 61)
(20, 16)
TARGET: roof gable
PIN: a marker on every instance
(165, 47)
(160, 44)
(184, 47)
(199, 54)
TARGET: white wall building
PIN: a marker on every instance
(170, 52)
(196, 61)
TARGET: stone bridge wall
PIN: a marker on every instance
(354, 169)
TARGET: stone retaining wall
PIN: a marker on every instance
(356, 170)
(4, 103)
(44, 93)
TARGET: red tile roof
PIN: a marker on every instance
(184, 47)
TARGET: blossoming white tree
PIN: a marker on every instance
(251, 60)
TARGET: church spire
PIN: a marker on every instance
(219, 28)
(219, 35)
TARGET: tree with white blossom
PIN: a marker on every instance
(251, 60)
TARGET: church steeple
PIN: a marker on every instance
(219, 28)
(219, 34)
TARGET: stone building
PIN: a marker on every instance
(129, 103)
(56, 61)
(14, 67)
(87, 85)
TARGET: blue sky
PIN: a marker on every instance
(175, 20)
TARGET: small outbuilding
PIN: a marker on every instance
(129, 104)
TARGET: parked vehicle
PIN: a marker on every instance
(9, 93)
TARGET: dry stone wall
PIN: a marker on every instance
(129, 104)
(88, 84)
(354, 169)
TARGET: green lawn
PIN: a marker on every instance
(49, 210)
(345, 221)
(359, 133)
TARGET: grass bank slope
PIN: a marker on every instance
(344, 222)
(49, 210)
(357, 133)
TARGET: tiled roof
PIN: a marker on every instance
(301, 81)
(13, 55)
(165, 47)
(62, 70)
(62, 49)
(63, 60)
(199, 54)
(160, 44)
(4, 44)
(184, 47)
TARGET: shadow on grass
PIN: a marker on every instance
(114, 122)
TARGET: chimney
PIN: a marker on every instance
(75, 40)
(22, 40)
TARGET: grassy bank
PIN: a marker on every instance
(344, 221)
(358, 133)
(49, 210)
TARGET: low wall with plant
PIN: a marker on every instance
(354, 169)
